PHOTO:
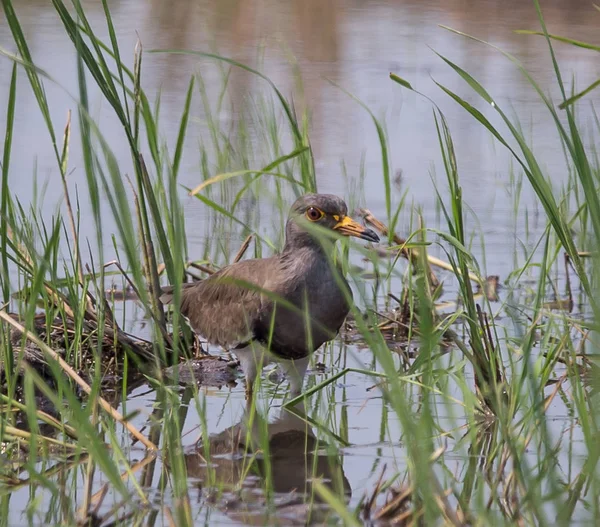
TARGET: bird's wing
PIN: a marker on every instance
(224, 307)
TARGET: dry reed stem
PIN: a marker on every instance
(111, 324)
(169, 517)
(63, 173)
(456, 518)
(96, 499)
(17, 433)
(59, 467)
(397, 510)
(395, 503)
(568, 277)
(43, 416)
(73, 374)
(87, 490)
(202, 268)
(23, 252)
(505, 458)
(243, 248)
(113, 512)
(91, 316)
(89, 477)
(162, 328)
(85, 514)
(59, 300)
(371, 501)
(410, 253)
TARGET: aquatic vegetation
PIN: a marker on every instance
(111, 406)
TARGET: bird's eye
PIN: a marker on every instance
(314, 214)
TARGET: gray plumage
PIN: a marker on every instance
(242, 302)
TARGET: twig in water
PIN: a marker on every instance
(73, 374)
(410, 253)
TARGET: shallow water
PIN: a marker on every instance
(351, 409)
(356, 45)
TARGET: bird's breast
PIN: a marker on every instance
(324, 293)
(320, 301)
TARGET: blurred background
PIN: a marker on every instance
(302, 45)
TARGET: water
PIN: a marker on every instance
(355, 45)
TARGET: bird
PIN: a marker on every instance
(281, 308)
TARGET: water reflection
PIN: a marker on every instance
(284, 456)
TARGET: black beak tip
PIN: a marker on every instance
(370, 236)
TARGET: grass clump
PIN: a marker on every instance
(474, 378)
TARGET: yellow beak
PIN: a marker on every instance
(348, 227)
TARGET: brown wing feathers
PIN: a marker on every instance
(222, 308)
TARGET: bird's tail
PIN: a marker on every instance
(168, 292)
(167, 295)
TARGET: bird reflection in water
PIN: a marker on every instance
(264, 473)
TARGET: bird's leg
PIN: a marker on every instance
(251, 372)
(251, 362)
(295, 371)
(249, 389)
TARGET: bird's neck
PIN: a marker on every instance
(298, 240)
(307, 243)
(305, 259)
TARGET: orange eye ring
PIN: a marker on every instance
(314, 214)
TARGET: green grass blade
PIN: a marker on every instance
(98, 69)
(579, 95)
(219, 178)
(32, 74)
(5, 203)
(477, 87)
(182, 129)
(537, 180)
(307, 161)
(558, 38)
(401, 81)
(117, 55)
(383, 144)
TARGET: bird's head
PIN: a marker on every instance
(323, 210)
